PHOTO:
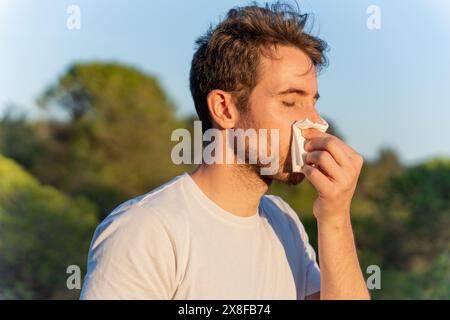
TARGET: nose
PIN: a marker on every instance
(314, 116)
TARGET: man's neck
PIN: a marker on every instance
(235, 188)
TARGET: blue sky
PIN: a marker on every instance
(387, 87)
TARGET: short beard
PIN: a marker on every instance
(289, 178)
(284, 174)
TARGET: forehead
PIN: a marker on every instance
(287, 67)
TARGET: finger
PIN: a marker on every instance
(320, 181)
(326, 164)
(332, 146)
(314, 133)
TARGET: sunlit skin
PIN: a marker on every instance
(287, 91)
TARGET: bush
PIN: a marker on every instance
(42, 231)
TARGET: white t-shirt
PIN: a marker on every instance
(176, 243)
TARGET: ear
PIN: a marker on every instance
(222, 109)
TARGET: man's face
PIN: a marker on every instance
(286, 92)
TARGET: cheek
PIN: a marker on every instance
(272, 116)
(285, 142)
(283, 121)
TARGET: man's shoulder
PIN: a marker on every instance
(155, 200)
(276, 200)
(276, 205)
(157, 210)
(285, 220)
(279, 210)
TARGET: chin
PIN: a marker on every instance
(289, 178)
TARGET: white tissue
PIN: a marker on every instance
(298, 152)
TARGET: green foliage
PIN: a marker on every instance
(19, 138)
(108, 134)
(415, 215)
(42, 232)
(433, 283)
(409, 233)
(375, 175)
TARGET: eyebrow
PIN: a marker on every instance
(297, 91)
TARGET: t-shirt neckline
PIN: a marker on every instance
(217, 210)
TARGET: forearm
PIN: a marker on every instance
(341, 276)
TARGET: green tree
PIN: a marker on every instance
(372, 187)
(376, 174)
(114, 141)
(42, 232)
(411, 233)
(415, 215)
(19, 137)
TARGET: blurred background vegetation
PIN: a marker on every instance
(105, 138)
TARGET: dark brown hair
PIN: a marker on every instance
(228, 55)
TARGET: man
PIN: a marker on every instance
(214, 234)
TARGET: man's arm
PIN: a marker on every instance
(334, 175)
(341, 276)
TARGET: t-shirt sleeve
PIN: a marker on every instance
(132, 256)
